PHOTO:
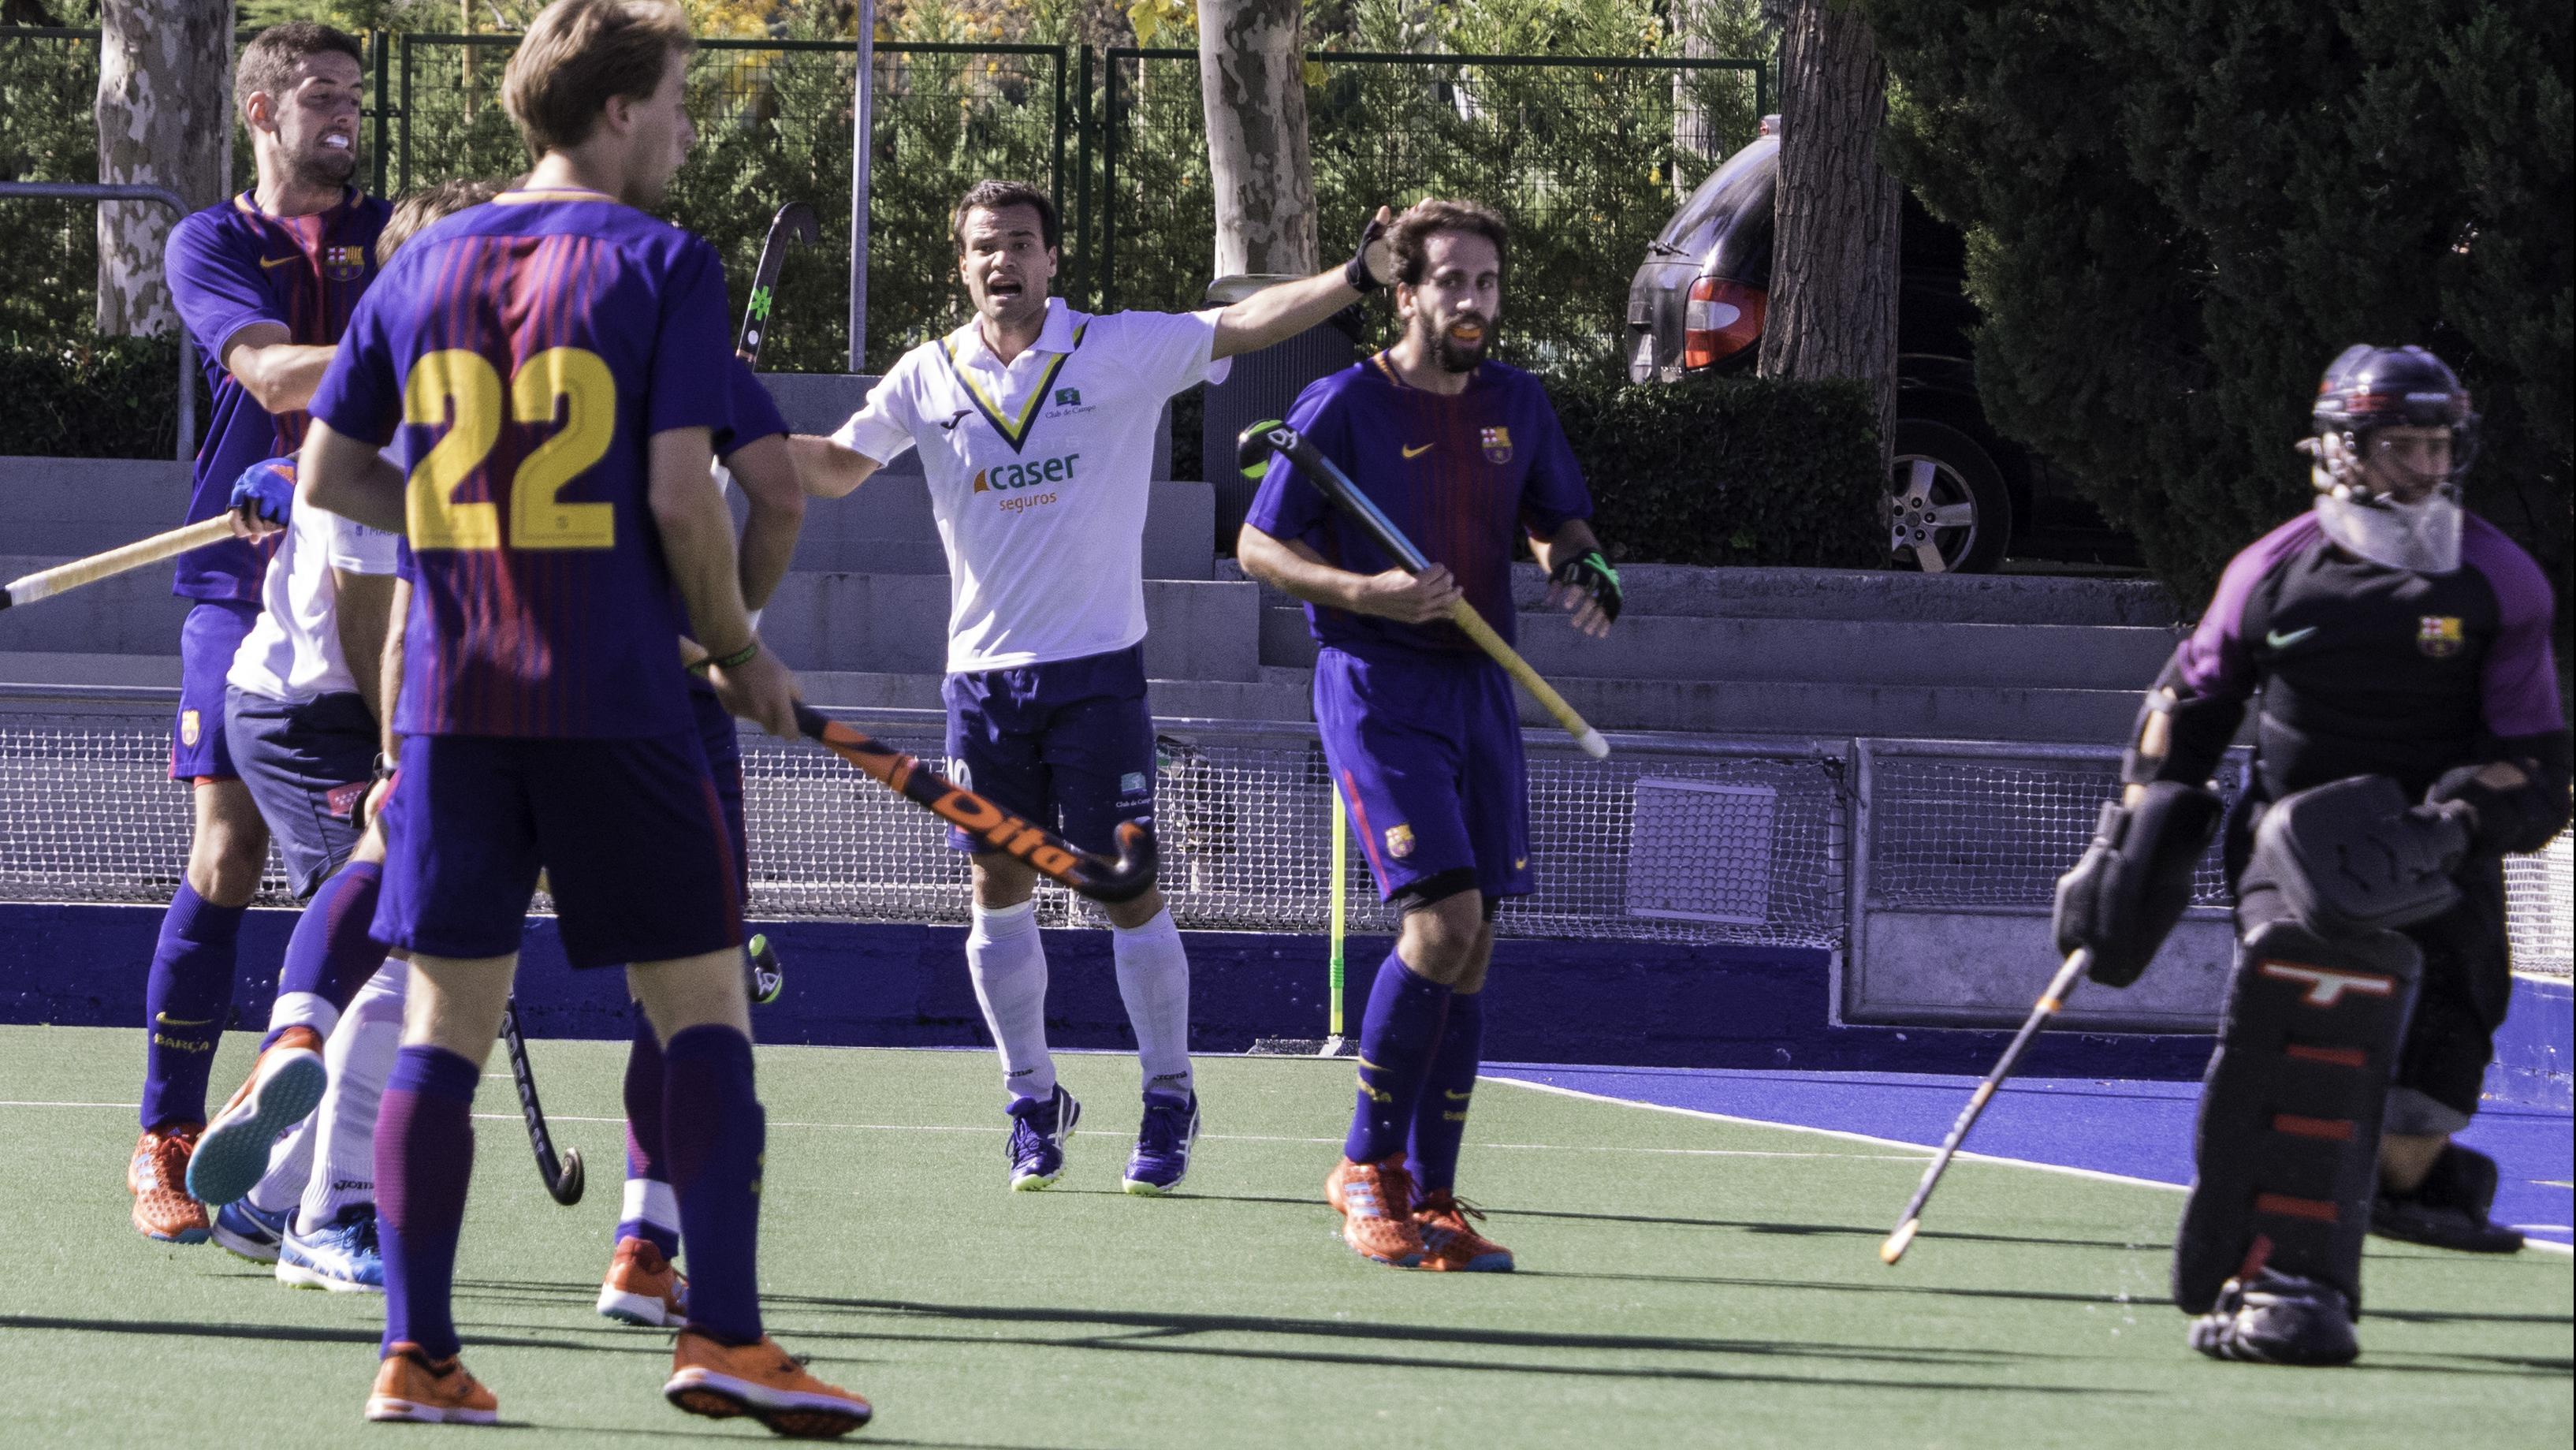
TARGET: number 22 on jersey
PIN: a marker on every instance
(467, 383)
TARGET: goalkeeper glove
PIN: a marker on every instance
(266, 491)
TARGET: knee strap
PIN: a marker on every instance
(2287, 1153)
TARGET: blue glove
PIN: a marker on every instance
(267, 490)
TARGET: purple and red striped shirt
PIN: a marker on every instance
(528, 351)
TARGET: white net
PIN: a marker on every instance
(1671, 839)
(87, 813)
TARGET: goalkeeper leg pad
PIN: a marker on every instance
(2287, 1152)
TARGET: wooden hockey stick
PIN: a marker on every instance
(62, 578)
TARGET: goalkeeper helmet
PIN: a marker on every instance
(2364, 390)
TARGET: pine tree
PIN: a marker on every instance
(2179, 210)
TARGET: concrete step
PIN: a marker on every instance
(887, 528)
(72, 670)
(1869, 594)
(71, 507)
(1939, 712)
(132, 613)
(1672, 647)
(898, 623)
(1276, 695)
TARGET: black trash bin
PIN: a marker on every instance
(1262, 385)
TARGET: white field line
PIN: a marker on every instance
(1916, 1156)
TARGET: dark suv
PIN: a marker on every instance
(1959, 495)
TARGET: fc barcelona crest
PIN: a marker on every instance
(189, 730)
(1498, 445)
(344, 264)
(2440, 636)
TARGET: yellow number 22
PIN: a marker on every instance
(465, 382)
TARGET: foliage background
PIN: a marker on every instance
(2178, 212)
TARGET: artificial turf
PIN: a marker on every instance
(1683, 1282)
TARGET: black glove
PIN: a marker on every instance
(1373, 265)
(1591, 573)
(2125, 894)
(2500, 819)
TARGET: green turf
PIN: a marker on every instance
(1684, 1282)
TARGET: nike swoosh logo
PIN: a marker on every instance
(2278, 640)
(278, 261)
(1418, 452)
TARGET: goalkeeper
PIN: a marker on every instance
(2409, 736)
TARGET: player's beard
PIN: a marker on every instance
(1454, 356)
(321, 166)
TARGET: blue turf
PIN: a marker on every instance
(2139, 1129)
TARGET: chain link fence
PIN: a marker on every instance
(1585, 156)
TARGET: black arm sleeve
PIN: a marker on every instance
(2181, 736)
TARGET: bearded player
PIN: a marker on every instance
(557, 359)
(2409, 735)
(264, 283)
(1419, 726)
(1036, 429)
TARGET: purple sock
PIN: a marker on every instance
(644, 1157)
(424, 1156)
(1440, 1118)
(331, 955)
(1397, 1038)
(713, 1135)
(185, 1001)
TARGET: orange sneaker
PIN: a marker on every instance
(760, 1380)
(643, 1289)
(412, 1386)
(284, 1087)
(1375, 1201)
(157, 1176)
(1449, 1239)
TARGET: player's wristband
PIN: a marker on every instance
(1358, 274)
(738, 658)
(1590, 572)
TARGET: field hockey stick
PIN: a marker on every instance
(794, 223)
(62, 578)
(563, 1177)
(1337, 486)
(2050, 1001)
(1084, 872)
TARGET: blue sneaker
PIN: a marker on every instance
(1038, 1131)
(1163, 1143)
(342, 1257)
(251, 1231)
(284, 1087)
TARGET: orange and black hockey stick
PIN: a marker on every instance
(1083, 872)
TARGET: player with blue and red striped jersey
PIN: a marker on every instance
(264, 283)
(555, 362)
(1419, 726)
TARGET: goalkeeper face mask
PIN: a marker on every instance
(2420, 534)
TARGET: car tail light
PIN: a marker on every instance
(1723, 319)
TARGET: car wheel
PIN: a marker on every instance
(1948, 511)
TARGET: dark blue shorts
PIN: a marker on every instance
(1068, 744)
(1427, 753)
(306, 766)
(629, 832)
(722, 740)
(208, 641)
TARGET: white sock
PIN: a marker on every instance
(290, 1162)
(303, 1009)
(650, 1202)
(360, 1056)
(1007, 960)
(1154, 982)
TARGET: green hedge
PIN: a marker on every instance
(110, 397)
(1742, 471)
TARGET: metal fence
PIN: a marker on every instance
(1587, 156)
(1689, 839)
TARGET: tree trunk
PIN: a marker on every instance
(165, 72)
(1252, 80)
(1834, 257)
